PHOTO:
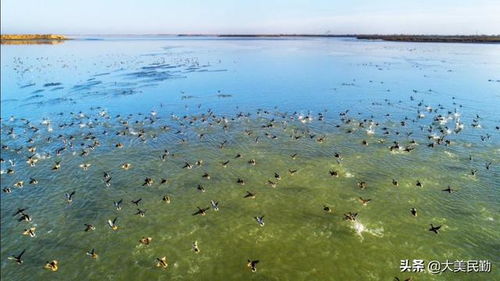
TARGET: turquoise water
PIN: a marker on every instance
(265, 99)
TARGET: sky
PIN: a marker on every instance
(251, 16)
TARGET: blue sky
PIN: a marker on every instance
(256, 16)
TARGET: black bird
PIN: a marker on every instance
(435, 229)
(136, 202)
(413, 211)
(260, 220)
(249, 195)
(252, 264)
(201, 211)
(18, 258)
(148, 182)
(24, 217)
(215, 205)
(69, 196)
(19, 211)
(141, 213)
(449, 189)
(118, 204)
(107, 182)
(89, 227)
(350, 216)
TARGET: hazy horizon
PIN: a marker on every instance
(131, 17)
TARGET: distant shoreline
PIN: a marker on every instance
(12, 38)
(25, 37)
(399, 38)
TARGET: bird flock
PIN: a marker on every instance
(77, 135)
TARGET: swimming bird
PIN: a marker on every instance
(294, 156)
(118, 204)
(362, 184)
(107, 182)
(145, 240)
(166, 199)
(413, 211)
(52, 265)
(224, 164)
(277, 176)
(419, 184)
(33, 181)
(271, 183)
(112, 224)
(19, 184)
(24, 217)
(201, 211)
(141, 213)
(333, 173)
(126, 166)
(327, 209)
(215, 205)
(449, 189)
(19, 211)
(206, 176)
(350, 216)
(292, 172)
(148, 182)
(89, 227)
(136, 202)
(252, 162)
(260, 220)
(30, 232)
(56, 166)
(488, 165)
(92, 254)
(200, 188)
(364, 201)
(434, 229)
(69, 196)
(187, 166)
(252, 264)
(395, 182)
(249, 195)
(85, 166)
(18, 259)
(162, 262)
(240, 181)
(195, 248)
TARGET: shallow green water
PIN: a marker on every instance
(299, 241)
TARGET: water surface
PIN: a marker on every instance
(265, 99)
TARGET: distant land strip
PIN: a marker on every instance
(25, 37)
(395, 37)
(435, 38)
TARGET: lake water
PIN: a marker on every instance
(215, 99)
